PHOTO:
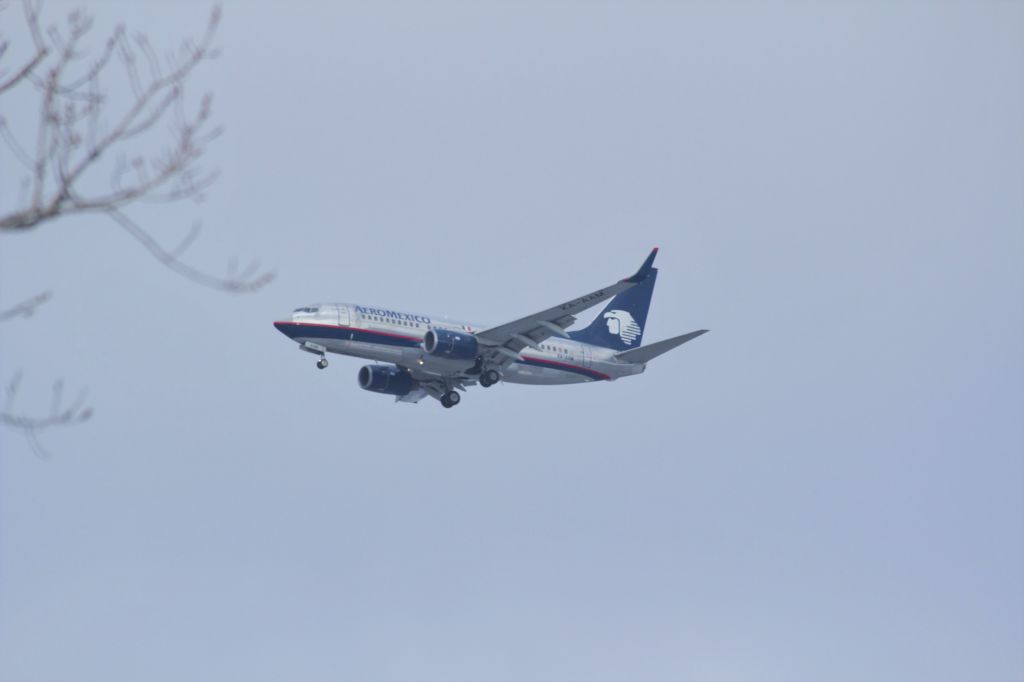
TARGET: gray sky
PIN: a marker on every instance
(830, 485)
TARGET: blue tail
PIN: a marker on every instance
(620, 326)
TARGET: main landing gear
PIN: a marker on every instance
(489, 378)
(450, 399)
(321, 363)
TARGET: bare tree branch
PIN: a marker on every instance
(26, 308)
(74, 138)
(249, 279)
(23, 72)
(41, 51)
(66, 104)
(60, 414)
(99, 115)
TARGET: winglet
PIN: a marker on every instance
(644, 270)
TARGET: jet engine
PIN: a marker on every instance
(385, 379)
(451, 345)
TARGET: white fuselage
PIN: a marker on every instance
(395, 337)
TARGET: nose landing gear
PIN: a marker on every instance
(316, 349)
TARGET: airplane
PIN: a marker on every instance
(427, 356)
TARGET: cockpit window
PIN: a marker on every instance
(306, 310)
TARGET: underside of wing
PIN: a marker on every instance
(504, 346)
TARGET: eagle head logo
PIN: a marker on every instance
(622, 324)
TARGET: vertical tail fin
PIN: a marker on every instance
(620, 326)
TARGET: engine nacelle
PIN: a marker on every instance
(385, 379)
(451, 345)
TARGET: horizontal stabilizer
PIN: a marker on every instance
(651, 351)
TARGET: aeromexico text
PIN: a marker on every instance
(379, 312)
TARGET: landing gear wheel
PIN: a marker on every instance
(321, 363)
(489, 378)
(450, 399)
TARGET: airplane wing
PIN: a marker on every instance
(504, 342)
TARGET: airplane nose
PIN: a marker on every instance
(284, 328)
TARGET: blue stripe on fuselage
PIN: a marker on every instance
(307, 330)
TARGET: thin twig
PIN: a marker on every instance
(249, 281)
(60, 414)
(26, 308)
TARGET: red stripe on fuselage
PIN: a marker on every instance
(355, 329)
(553, 363)
(560, 365)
